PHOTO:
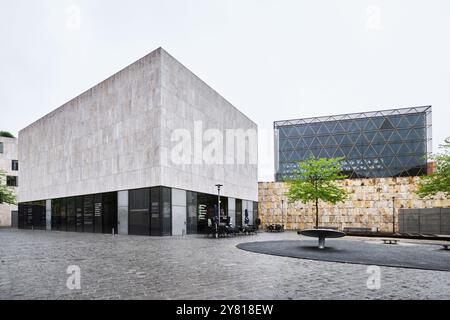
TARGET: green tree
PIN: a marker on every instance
(439, 181)
(314, 180)
(6, 134)
(6, 194)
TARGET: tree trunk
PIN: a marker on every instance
(317, 213)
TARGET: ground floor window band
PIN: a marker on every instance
(153, 211)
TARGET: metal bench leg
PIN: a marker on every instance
(321, 242)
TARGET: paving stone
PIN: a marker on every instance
(34, 263)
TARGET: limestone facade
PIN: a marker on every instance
(370, 204)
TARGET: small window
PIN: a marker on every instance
(15, 165)
(12, 181)
(1, 147)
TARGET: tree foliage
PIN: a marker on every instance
(439, 181)
(6, 194)
(315, 180)
(6, 134)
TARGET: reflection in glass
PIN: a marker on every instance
(155, 221)
(71, 217)
(139, 213)
(88, 213)
(79, 214)
(191, 218)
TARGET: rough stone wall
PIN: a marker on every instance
(369, 204)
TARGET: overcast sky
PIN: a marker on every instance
(272, 59)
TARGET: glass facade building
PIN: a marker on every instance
(389, 143)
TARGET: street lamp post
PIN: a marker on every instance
(218, 208)
(393, 215)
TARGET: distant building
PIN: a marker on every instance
(10, 165)
(389, 143)
(104, 161)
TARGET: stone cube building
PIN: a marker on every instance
(140, 153)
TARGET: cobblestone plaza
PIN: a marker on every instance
(33, 265)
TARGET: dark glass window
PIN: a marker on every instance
(166, 210)
(71, 215)
(98, 225)
(56, 214)
(255, 212)
(79, 213)
(109, 212)
(155, 221)
(238, 212)
(63, 225)
(12, 181)
(139, 213)
(88, 213)
(191, 214)
(14, 165)
(29, 223)
(1, 147)
(21, 216)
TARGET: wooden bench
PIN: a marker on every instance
(390, 241)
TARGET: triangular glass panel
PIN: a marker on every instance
(338, 138)
(323, 154)
(345, 125)
(386, 125)
(415, 134)
(361, 139)
(370, 125)
(346, 151)
(378, 122)
(370, 152)
(378, 148)
(370, 135)
(386, 135)
(308, 141)
(332, 141)
(316, 152)
(403, 149)
(302, 129)
(338, 153)
(315, 142)
(353, 127)
(322, 129)
(308, 130)
(403, 123)
(395, 147)
(360, 123)
(395, 120)
(395, 137)
(315, 127)
(346, 140)
(355, 152)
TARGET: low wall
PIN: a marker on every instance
(369, 204)
(5, 214)
(425, 221)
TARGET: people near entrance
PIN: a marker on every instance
(258, 223)
(246, 220)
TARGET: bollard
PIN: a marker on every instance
(113, 232)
